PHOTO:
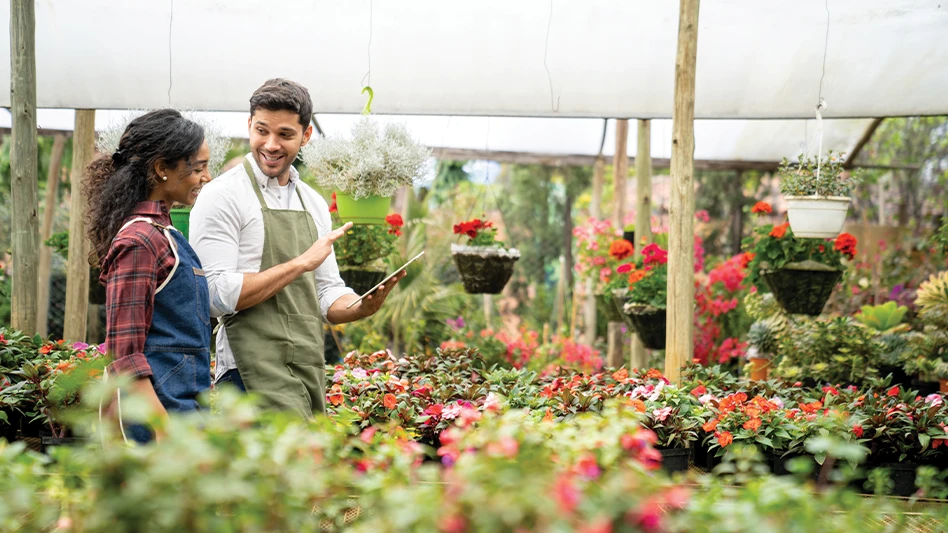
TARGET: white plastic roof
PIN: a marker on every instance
(563, 58)
(730, 140)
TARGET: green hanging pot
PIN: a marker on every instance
(179, 219)
(370, 210)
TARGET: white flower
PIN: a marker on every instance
(706, 398)
(451, 411)
(778, 402)
(359, 373)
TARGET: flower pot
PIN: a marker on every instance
(675, 459)
(760, 368)
(943, 385)
(629, 236)
(361, 279)
(649, 324)
(903, 478)
(817, 217)
(370, 210)
(607, 307)
(484, 269)
(802, 288)
(925, 387)
(179, 219)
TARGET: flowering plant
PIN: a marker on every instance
(599, 251)
(773, 247)
(800, 178)
(648, 277)
(896, 424)
(478, 232)
(366, 243)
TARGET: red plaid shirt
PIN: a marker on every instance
(139, 260)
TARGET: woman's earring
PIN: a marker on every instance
(164, 178)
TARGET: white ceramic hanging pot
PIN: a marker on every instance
(817, 217)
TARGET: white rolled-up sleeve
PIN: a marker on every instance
(215, 236)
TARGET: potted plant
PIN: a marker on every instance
(817, 194)
(598, 253)
(762, 338)
(361, 253)
(834, 350)
(484, 263)
(628, 233)
(926, 351)
(646, 296)
(801, 273)
(366, 170)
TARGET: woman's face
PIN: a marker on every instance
(185, 181)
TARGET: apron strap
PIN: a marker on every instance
(171, 242)
(253, 182)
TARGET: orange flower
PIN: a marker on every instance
(779, 231)
(810, 408)
(64, 366)
(335, 395)
(753, 424)
(636, 276)
(620, 375)
(710, 425)
(638, 405)
(747, 258)
(724, 438)
(761, 208)
(46, 349)
(654, 373)
(389, 401)
(620, 249)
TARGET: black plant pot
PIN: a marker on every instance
(650, 326)
(903, 478)
(899, 377)
(779, 464)
(705, 458)
(629, 236)
(675, 459)
(802, 291)
(361, 280)
(925, 388)
(484, 271)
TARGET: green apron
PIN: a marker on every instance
(278, 344)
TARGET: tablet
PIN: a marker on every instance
(390, 276)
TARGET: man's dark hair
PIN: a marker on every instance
(280, 94)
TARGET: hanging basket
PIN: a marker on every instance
(817, 217)
(607, 307)
(629, 236)
(180, 217)
(365, 211)
(361, 279)
(484, 269)
(649, 324)
(802, 288)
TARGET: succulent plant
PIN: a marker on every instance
(885, 318)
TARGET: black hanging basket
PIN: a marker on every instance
(361, 280)
(802, 288)
(629, 236)
(649, 324)
(484, 269)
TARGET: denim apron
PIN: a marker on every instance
(278, 343)
(177, 345)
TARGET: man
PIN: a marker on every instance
(265, 240)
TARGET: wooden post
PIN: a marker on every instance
(23, 154)
(681, 300)
(595, 211)
(620, 171)
(45, 252)
(643, 215)
(488, 309)
(77, 269)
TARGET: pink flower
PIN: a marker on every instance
(339, 376)
(935, 399)
(359, 373)
(566, 494)
(79, 346)
(367, 434)
(451, 411)
(703, 216)
(588, 467)
(505, 447)
(662, 414)
(492, 403)
(604, 274)
(434, 410)
(599, 260)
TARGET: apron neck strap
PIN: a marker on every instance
(253, 181)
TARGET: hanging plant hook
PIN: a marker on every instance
(368, 105)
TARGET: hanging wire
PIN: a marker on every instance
(367, 79)
(546, 48)
(170, 78)
(821, 104)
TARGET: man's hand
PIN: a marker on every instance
(340, 314)
(320, 250)
(373, 302)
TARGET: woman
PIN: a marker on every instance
(157, 308)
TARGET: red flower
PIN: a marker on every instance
(655, 254)
(624, 269)
(620, 249)
(389, 401)
(710, 425)
(46, 349)
(724, 438)
(699, 391)
(747, 258)
(857, 431)
(846, 244)
(761, 208)
(831, 390)
(753, 424)
(395, 221)
(780, 231)
(335, 395)
(333, 208)
(471, 227)
(894, 391)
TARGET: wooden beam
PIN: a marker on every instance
(42, 132)
(23, 155)
(851, 158)
(45, 252)
(643, 214)
(77, 270)
(681, 298)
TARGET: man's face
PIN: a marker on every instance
(275, 140)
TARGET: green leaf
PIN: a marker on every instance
(924, 440)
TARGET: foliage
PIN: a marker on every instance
(594, 260)
(648, 278)
(368, 164)
(59, 242)
(763, 336)
(833, 350)
(479, 233)
(802, 179)
(885, 318)
(448, 176)
(366, 243)
(896, 425)
(932, 300)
